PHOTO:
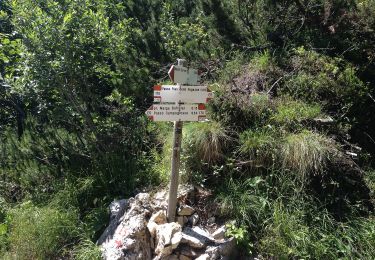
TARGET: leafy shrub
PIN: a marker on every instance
(325, 80)
(240, 234)
(183, 37)
(41, 232)
(4, 207)
(370, 180)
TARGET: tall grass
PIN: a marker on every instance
(303, 231)
(87, 250)
(291, 112)
(243, 200)
(41, 232)
(207, 140)
(259, 147)
(306, 152)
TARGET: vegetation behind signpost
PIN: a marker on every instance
(289, 152)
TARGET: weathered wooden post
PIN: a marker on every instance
(175, 167)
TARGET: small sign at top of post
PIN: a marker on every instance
(184, 76)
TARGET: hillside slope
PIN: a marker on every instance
(288, 152)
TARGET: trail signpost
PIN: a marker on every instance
(184, 101)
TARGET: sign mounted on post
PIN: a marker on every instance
(169, 112)
(184, 76)
(182, 94)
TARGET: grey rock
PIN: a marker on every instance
(156, 219)
(211, 220)
(168, 237)
(171, 257)
(223, 250)
(203, 257)
(326, 120)
(127, 236)
(194, 219)
(228, 247)
(186, 191)
(184, 257)
(182, 220)
(185, 210)
(196, 237)
(188, 251)
(118, 207)
(219, 234)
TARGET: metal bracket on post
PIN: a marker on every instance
(175, 167)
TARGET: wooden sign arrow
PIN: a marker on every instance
(182, 94)
(185, 76)
(169, 112)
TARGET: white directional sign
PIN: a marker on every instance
(169, 112)
(182, 94)
(185, 76)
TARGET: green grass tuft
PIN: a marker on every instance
(259, 146)
(306, 152)
(291, 112)
(207, 140)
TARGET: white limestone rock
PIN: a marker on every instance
(156, 219)
(203, 257)
(168, 237)
(219, 234)
(127, 237)
(196, 237)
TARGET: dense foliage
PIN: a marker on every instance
(289, 151)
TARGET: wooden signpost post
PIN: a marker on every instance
(184, 101)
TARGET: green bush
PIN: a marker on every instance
(242, 98)
(291, 113)
(325, 80)
(4, 207)
(41, 232)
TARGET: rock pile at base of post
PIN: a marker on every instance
(138, 230)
